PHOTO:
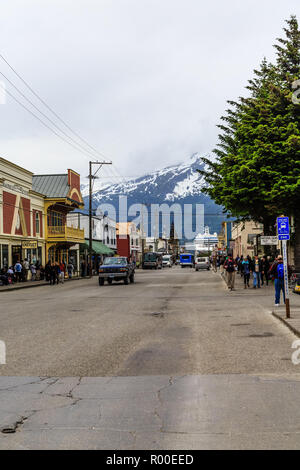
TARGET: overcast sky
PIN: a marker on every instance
(144, 81)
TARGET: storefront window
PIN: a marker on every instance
(37, 223)
(3, 256)
(55, 219)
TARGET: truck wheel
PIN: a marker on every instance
(131, 278)
(126, 281)
(109, 281)
(101, 281)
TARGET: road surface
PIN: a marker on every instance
(173, 361)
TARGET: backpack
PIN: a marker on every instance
(230, 266)
(280, 271)
(246, 267)
(18, 268)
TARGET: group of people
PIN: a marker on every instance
(262, 270)
(22, 271)
(55, 272)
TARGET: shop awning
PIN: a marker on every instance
(98, 248)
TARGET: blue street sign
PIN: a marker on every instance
(283, 228)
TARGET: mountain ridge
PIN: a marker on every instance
(179, 183)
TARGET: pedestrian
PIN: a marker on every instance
(26, 267)
(52, 278)
(57, 272)
(265, 270)
(256, 268)
(62, 269)
(246, 263)
(33, 271)
(230, 266)
(38, 270)
(277, 272)
(48, 271)
(83, 268)
(70, 269)
(11, 275)
(18, 271)
(4, 277)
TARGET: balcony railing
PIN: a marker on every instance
(63, 232)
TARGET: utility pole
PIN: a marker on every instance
(91, 178)
(143, 240)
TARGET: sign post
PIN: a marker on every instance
(284, 235)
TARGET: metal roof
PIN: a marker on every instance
(51, 185)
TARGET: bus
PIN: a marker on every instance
(186, 260)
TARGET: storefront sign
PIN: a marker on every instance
(16, 188)
(269, 240)
(29, 245)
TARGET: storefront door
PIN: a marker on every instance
(16, 253)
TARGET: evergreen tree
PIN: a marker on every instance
(256, 173)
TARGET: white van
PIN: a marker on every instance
(167, 261)
(202, 263)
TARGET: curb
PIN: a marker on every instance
(286, 323)
(14, 288)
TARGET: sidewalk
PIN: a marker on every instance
(27, 284)
(265, 296)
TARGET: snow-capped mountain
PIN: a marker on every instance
(180, 184)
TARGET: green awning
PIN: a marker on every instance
(98, 248)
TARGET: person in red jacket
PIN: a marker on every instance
(62, 268)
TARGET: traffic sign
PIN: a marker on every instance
(283, 228)
(268, 240)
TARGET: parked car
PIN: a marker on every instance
(152, 260)
(167, 261)
(116, 269)
(202, 263)
(186, 260)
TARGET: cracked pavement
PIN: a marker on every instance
(150, 412)
(173, 362)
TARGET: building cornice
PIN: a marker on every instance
(7, 162)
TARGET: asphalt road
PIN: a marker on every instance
(170, 322)
(174, 361)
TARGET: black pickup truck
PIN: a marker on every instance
(116, 269)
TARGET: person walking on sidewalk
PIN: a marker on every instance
(70, 269)
(277, 272)
(265, 270)
(230, 266)
(256, 269)
(62, 268)
(246, 263)
(52, 278)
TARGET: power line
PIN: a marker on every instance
(45, 115)
(46, 125)
(50, 109)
